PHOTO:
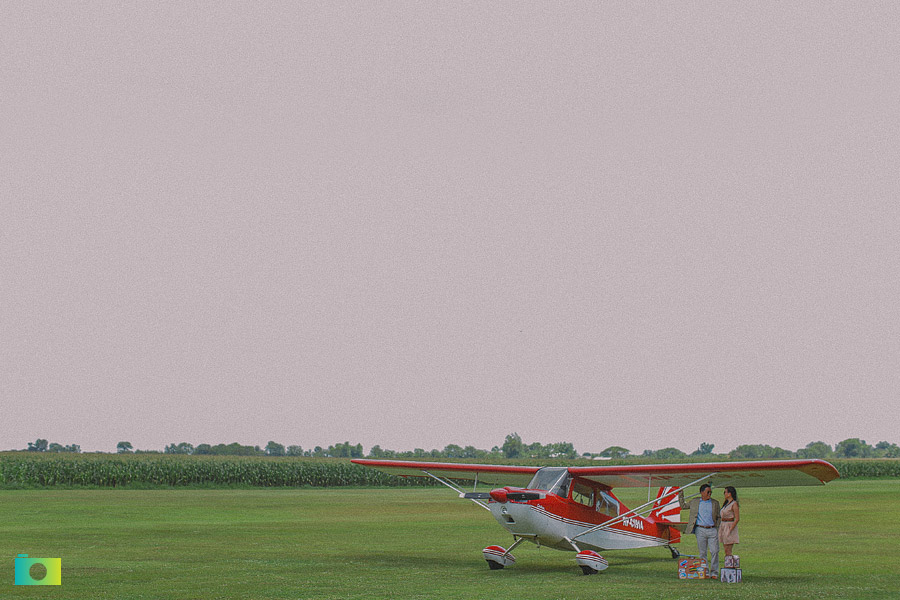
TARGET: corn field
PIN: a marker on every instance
(866, 467)
(33, 470)
(28, 469)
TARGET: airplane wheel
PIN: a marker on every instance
(497, 557)
(675, 552)
(590, 562)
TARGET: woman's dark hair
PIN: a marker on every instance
(733, 493)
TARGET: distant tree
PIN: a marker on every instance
(615, 452)
(747, 451)
(887, 450)
(294, 451)
(124, 448)
(759, 451)
(815, 450)
(274, 449)
(376, 452)
(535, 450)
(703, 450)
(452, 451)
(182, 448)
(665, 454)
(232, 449)
(854, 448)
(203, 449)
(513, 446)
(38, 445)
(345, 450)
(563, 450)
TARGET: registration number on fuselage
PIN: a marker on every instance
(633, 523)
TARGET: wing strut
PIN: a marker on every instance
(461, 493)
(634, 511)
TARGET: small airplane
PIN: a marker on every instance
(574, 509)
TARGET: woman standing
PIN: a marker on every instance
(730, 515)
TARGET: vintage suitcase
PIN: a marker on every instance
(692, 567)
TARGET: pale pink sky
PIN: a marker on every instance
(424, 223)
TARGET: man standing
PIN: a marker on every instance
(704, 523)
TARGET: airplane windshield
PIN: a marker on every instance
(552, 479)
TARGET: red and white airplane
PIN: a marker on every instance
(574, 509)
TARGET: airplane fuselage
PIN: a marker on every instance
(551, 520)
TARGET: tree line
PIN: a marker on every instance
(849, 448)
(513, 447)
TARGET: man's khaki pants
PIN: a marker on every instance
(708, 539)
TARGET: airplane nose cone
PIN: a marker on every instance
(499, 495)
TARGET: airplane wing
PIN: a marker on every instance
(719, 474)
(502, 475)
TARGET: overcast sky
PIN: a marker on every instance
(421, 223)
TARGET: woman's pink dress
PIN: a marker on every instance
(728, 531)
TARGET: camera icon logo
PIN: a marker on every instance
(38, 571)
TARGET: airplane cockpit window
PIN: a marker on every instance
(550, 478)
(607, 505)
(583, 494)
(562, 488)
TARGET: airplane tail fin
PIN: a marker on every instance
(666, 507)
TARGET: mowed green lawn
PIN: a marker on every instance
(834, 541)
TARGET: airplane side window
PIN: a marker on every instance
(608, 505)
(583, 494)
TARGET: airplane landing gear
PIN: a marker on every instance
(497, 557)
(590, 562)
(674, 551)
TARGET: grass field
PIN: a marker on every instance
(836, 541)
